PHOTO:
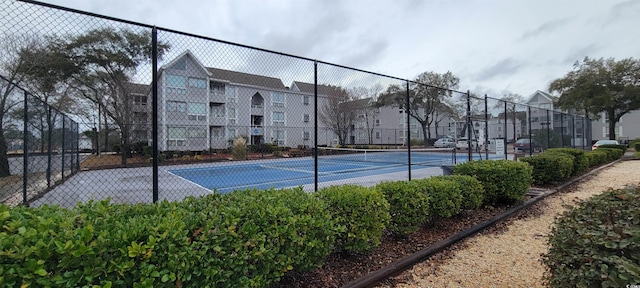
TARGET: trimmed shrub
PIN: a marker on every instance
(596, 158)
(246, 239)
(550, 167)
(363, 212)
(580, 161)
(613, 146)
(408, 206)
(503, 181)
(613, 154)
(471, 188)
(445, 197)
(596, 244)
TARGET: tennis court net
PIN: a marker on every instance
(419, 156)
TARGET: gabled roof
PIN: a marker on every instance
(245, 78)
(358, 103)
(186, 53)
(534, 97)
(308, 88)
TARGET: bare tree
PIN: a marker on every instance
(336, 113)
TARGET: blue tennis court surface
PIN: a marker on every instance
(264, 174)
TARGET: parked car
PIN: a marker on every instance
(527, 145)
(463, 143)
(445, 143)
(604, 142)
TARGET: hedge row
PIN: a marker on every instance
(558, 164)
(248, 238)
(597, 243)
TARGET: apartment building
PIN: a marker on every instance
(205, 108)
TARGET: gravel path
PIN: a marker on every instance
(511, 257)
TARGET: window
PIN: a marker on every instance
(217, 90)
(140, 100)
(305, 100)
(277, 99)
(176, 106)
(377, 122)
(305, 118)
(278, 118)
(232, 134)
(198, 83)
(176, 136)
(278, 137)
(305, 135)
(605, 118)
(377, 134)
(231, 115)
(197, 111)
(217, 133)
(499, 128)
(176, 84)
(361, 136)
(217, 111)
(231, 94)
(197, 132)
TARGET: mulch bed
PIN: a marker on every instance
(339, 269)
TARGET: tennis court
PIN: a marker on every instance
(333, 164)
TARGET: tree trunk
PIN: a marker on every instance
(612, 129)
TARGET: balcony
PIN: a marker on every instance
(216, 96)
(217, 121)
(257, 130)
(257, 109)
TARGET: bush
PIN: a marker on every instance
(503, 181)
(471, 188)
(596, 244)
(239, 149)
(636, 146)
(613, 154)
(242, 239)
(445, 197)
(613, 146)
(408, 206)
(363, 212)
(550, 167)
(580, 161)
(596, 157)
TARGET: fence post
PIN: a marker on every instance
(469, 127)
(530, 136)
(486, 127)
(49, 145)
(154, 110)
(506, 131)
(561, 130)
(62, 145)
(25, 150)
(315, 126)
(408, 130)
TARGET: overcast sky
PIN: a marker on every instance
(493, 46)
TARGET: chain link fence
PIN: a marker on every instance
(136, 113)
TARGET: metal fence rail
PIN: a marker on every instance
(149, 105)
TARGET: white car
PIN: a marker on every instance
(445, 143)
(463, 143)
(604, 142)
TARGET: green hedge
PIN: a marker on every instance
(409, 206)
(596, 157)
(580, 162)
(550, 167)
(445, 196)
(613, 146)
(364, 212)
(471, 189)
(503, 181)
(597, 243)
(243, 239)
(612, 153)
